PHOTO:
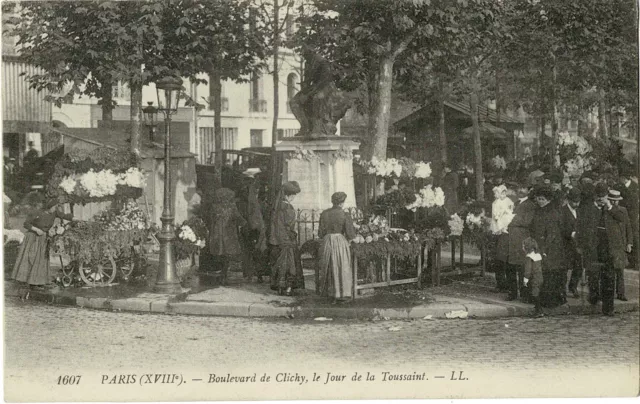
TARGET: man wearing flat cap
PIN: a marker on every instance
(627, 234)
(601, 243)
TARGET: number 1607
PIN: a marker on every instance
(68, 380)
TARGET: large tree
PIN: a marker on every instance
(217, 37)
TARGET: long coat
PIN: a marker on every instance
(223, 231)
(548, 230)
(587, 234)
(509, 247)
(569, 223)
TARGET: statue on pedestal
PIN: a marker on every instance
(319, 105)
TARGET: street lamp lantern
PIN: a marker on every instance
(150, 114)
(169, 89)
(151, 119)
(167, 281)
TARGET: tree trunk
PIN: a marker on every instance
(107, 99)
(443, 136)
(215, 83)
(372, 91)
(602, 114)
(136, 117)
(382, 108)
(275, 175)
(554, 116)
(477, 145)
(498, 105)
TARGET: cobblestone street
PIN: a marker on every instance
(61, 339)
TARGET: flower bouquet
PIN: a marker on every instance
(191, 237)
(375, 239)
(456, 225)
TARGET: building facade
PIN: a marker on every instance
(247, 111)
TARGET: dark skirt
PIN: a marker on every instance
(552, 291)
(32, 264)
(286, 267)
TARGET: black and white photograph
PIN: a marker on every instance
(250, 200)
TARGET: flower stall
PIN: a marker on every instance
(111, 241)
(401, 229)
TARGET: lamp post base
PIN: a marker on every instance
(167, 281)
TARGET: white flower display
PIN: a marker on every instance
(582, 146)
(576, 166)
(133, 177)
(393, 167)
(186, 233)
(99, 184)
(475, 221)
(368, 239)
(423, 170)
(103, 183)
(501, 215)
(456, 225)
(359, 239)
(68, 184)
(13, 235)
(428, 197)
(499, 162)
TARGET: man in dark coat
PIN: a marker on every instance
(629, 193)
(627, 235)
(518, 231)
(569, 219)
(600, 241)
(550, 235)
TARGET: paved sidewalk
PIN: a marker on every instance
(463, 299)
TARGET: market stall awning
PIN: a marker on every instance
(487, 130)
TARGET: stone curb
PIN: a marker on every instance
(178, 305)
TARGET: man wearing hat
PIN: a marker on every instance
(627, 234)
(548, 232)
(253, 238)
(569, 219)
(629, 193)
(601, 243)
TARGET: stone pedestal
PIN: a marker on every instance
(323, 174)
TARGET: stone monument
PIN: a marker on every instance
(316, 157)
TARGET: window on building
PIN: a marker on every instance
(257, 103)
(284, 133)
(121, 91)
(207, 142)
(289, 26)
(292, 81)
(256, 137)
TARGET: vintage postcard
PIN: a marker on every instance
(223, 200)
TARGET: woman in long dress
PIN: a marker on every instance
(32, 264)
(286, 265)
(224, 243)
(335, 230)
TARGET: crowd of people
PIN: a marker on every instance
(545, 234)
(267, 241)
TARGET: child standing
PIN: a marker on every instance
(533, 273)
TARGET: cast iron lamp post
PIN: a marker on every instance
(167, 281)
(151, 120)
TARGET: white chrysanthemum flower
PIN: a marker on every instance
(423, 170)
(456, 225)
(68, 184)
